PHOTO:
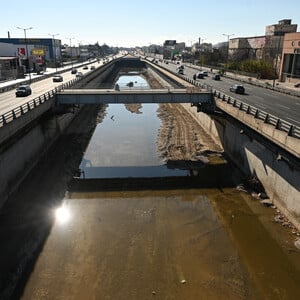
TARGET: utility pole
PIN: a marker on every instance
(228, 38)
(71, 50)
(54, 47)
(26, 45)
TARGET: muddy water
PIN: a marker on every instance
(167, 245)
(213, 243)
(124, 145)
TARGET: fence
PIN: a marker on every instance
(32, 104)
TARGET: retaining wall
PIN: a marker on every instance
(280, 179)
(20, 157)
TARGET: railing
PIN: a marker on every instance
(278, 123)
(290, 129)
(32, 104)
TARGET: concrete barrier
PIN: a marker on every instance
(280, 177)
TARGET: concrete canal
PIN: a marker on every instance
(171, 240)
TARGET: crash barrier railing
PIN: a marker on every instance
(278, 123)
(33, 103)
(43, 76)
(290, 129)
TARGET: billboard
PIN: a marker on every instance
(21, 52)
(38, 52)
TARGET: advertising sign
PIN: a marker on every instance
(21, 52)
(38, 52)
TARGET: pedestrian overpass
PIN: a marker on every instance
(110, 96)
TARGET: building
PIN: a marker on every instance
(290, 65)
(8, 67)
(40, 51)
(267, 47)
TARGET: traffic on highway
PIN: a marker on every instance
(9, 100)
(283, 106)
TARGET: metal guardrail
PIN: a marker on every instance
(290, 129)
(278, 123)
(33, 103)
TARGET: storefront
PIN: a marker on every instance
(290, 66)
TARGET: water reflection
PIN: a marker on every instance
(132, 81)
(62, 214)
(124, 145)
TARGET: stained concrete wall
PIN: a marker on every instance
(18, 159)
(280, 179)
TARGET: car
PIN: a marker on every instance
(93, 67)
(297, 85)
(57, 78)
(73, 71)
(180, 71)
(216, 77)
(79, 74)
(237, 88)
(200, 75)
(205, 73)
(85, 68)
(23, 91)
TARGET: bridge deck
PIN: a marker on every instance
(86, 96)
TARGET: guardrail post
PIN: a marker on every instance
(28, 106)
(22, 110)
(234, 103)
(290, 133)
(13, 114)
(241, 106)
(256, 114)
(277, 126)
(223, 98)
(3, 120)
(248, 109)
(266, 118)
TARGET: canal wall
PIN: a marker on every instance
(254, 156)
(20, 155)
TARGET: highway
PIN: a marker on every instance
(284, 106)
(9, 101)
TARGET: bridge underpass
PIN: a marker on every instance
(165, 87)
(83, 96)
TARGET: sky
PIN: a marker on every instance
(132, 23)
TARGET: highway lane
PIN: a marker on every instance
(281, 105)
(9, 101)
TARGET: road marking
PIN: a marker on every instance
(282, 106)
(293, 120)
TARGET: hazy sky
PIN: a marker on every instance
(138, 23)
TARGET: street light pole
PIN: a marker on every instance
(228, 37)
(24, 29)
(53, 40)
(200, 58)
(71, 50)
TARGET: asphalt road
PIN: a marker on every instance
(9, 101)
(284, 106)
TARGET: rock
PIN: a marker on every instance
(278, 219)
(297, 243)
(263, 195)
(183, 281)
(285, 224)
(266, 202)
(241, 188)
(153, 293)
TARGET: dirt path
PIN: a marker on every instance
(181, 138)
